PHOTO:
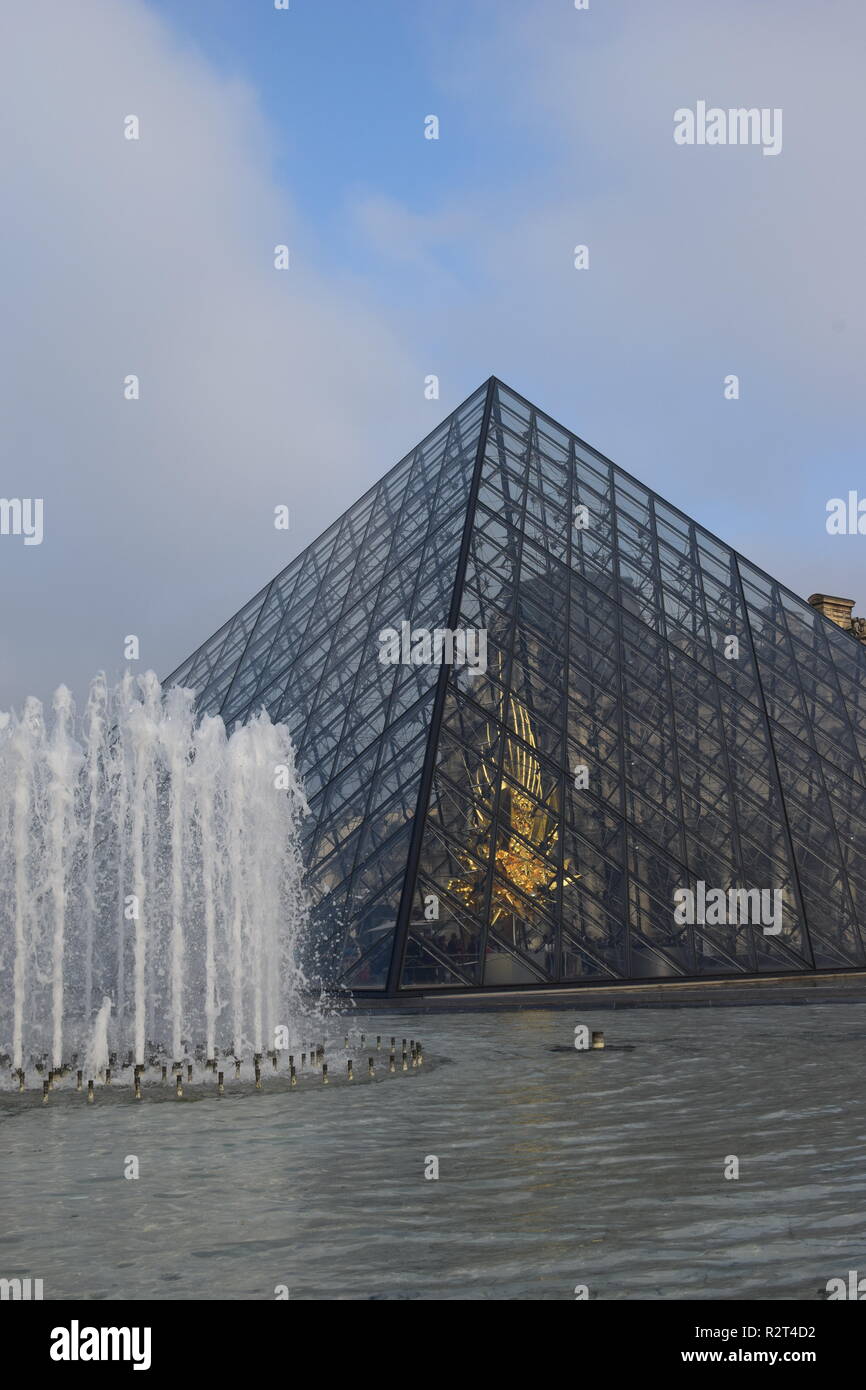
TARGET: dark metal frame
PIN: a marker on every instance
(268, 685)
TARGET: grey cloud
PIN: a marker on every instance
(156, 258)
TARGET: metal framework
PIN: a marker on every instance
(655, 713)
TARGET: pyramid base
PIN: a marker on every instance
(819, 987)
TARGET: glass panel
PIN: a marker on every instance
(616, 746)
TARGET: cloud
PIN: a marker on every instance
(400, 234)
(155, 258)
(703, 261)
(260, 387)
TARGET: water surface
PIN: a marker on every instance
(555, 1169)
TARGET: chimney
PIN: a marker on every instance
(839, 611)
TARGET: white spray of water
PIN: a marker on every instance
(149, 861)
(96, 1058)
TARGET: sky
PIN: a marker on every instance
(408, 257)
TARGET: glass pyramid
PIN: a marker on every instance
(655, 714)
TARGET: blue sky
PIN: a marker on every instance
(409, 257)
(344, 88)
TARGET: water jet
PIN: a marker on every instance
(150, 882)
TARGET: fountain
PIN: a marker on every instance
(151, 899)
